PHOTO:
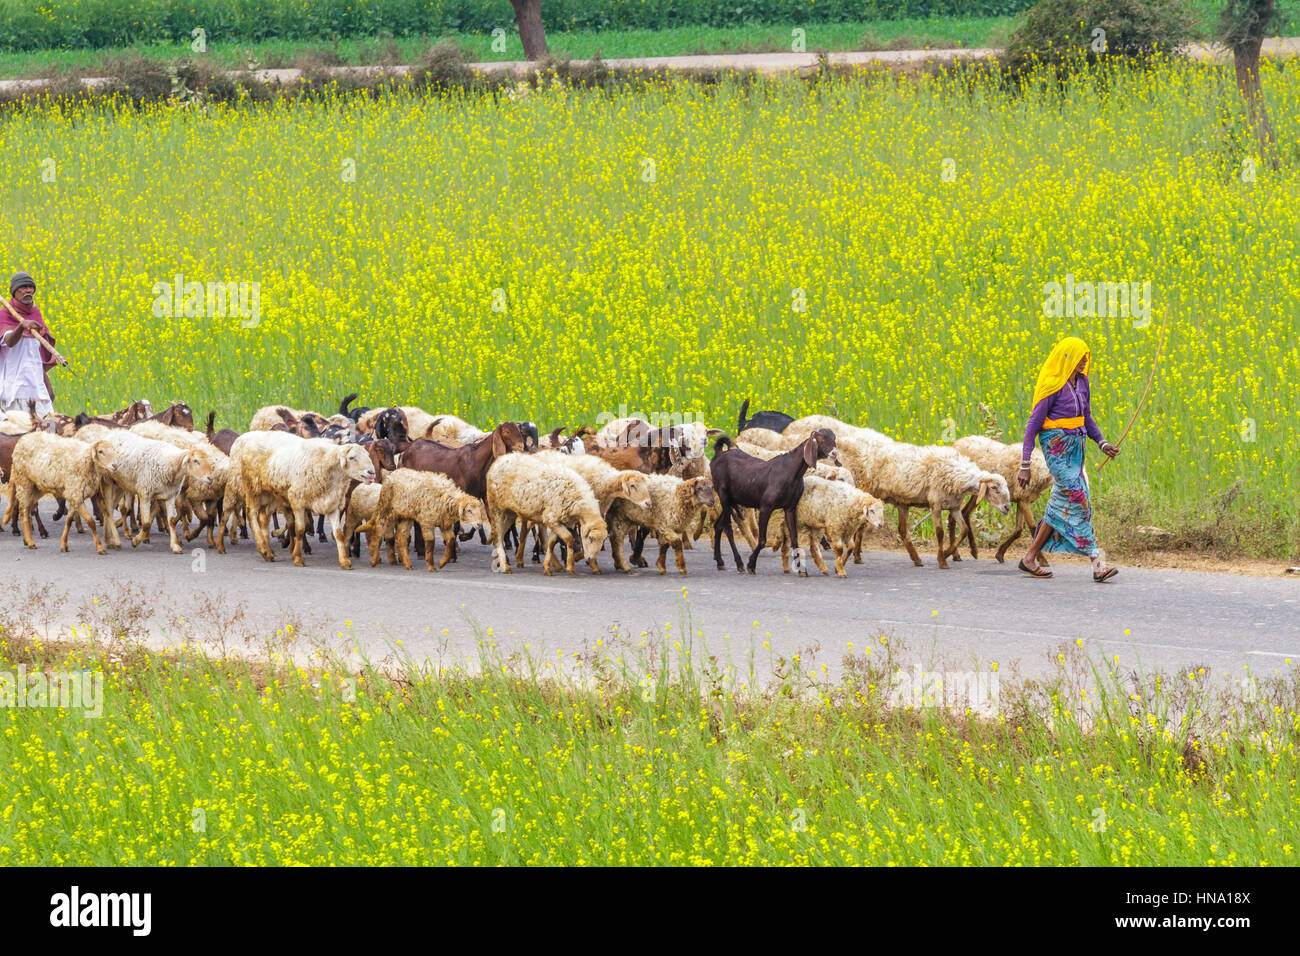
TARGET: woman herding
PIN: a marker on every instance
(1062, 417)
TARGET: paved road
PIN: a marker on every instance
(768, 63)
(985, 611)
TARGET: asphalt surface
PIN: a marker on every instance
(974, 613)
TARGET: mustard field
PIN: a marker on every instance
(887, 252)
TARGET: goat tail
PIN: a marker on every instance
(721, 443)
(744, 409)
(348, 399)
(212, 420)
(432, 425)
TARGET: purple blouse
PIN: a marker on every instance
(1070, 402)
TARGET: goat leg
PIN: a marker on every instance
(792, 534)
(638, 559)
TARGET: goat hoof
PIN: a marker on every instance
(345, 565)
(803, 574)
(44, 534)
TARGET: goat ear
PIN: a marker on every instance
(498, 444)
(714, 432)
(810, 452)
(984, 490)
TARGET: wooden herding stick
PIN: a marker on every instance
(58, 359)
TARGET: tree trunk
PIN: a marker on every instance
(528, 14)
(1245, 58)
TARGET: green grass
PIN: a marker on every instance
(585, 44)
(223, 761)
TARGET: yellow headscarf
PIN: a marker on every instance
(1060, 365)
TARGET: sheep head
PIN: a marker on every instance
(196, 465)
(702, 493)
(104, 456)
(472, 515)
(594, 534)
(635, 487)
(357, 464)
(993, 488)
(873, 512)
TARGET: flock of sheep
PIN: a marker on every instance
(785, 483)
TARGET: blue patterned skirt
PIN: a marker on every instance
(1069, 509)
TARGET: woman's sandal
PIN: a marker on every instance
(1105, 575)
(1034, 572)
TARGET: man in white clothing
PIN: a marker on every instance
(23, 359)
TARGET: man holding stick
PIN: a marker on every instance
(27, 350)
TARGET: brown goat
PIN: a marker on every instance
(177, 414)
(224, 438)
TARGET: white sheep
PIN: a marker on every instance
(933, 476)
(233, 513)
(361, 507)
(423, 498)
(151, 471)
(268, 416)
(76, 471)
(766, 438)
(1004, 459)
(608, 484)
(674, 510)
(831, 509)
(521, 485)
(300, 474)
(449, 430)
(801, 428)
(200, 497)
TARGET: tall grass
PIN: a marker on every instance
(202, 760)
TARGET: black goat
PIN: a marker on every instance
(354, 413)
(743, 481)
(776, 421)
